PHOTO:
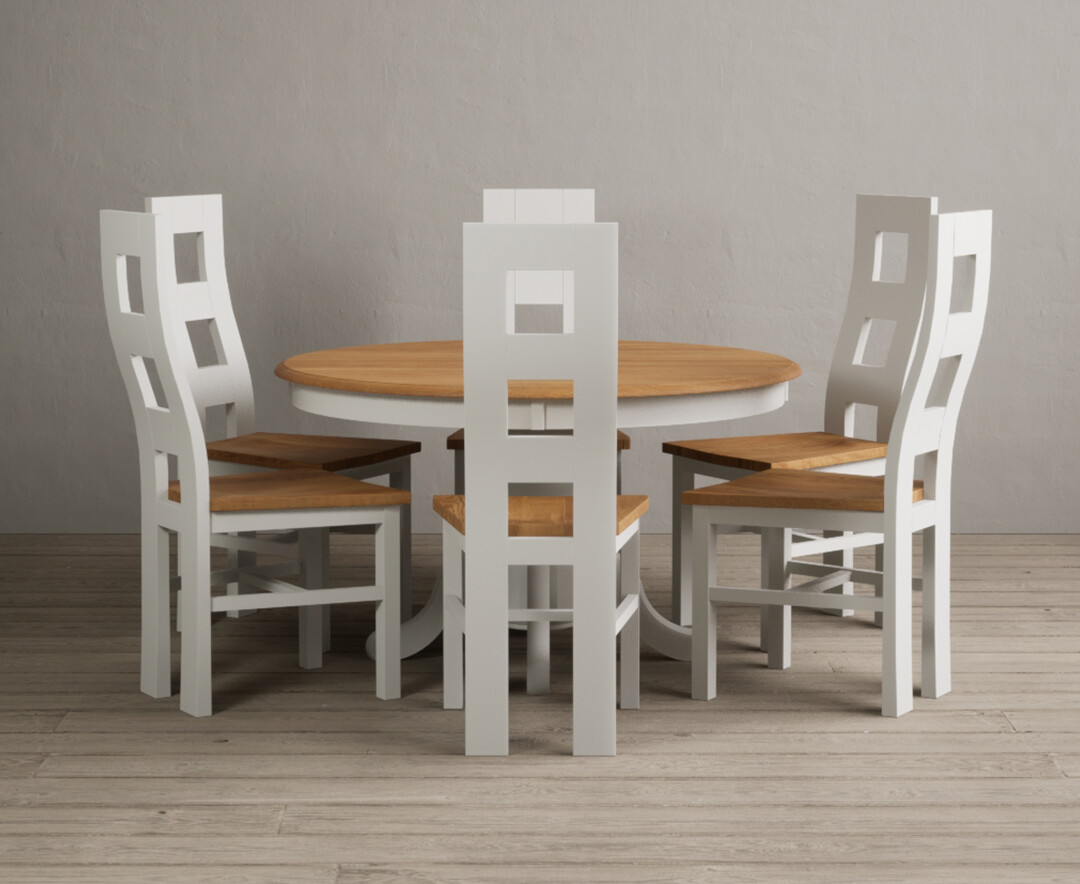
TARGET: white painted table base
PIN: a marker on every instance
(659, 633)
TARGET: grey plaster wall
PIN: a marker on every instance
(350, 140)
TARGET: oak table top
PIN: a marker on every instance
(433, 369)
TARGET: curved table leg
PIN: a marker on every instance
(661, 634)
(657, 631)
(419, 631)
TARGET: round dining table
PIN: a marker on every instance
(421, 384)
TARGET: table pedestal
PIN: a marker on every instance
(657, 631)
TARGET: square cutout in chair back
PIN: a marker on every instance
(890, 257)
(186, 250)
(146, 374)
(540, 302)
(205, 342)
(963, 284)
(129, 270)
(875, 342)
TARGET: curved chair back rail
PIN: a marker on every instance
(149, 347)
(227, 381)
(929, 408)
(852, 379)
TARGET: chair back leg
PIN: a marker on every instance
(703, 636)
(936, 643)
(388, 610)
(630, 636)
(682, 479)
(538, 632)
(776, 552)
(896, 681)
(196, 696)
(156, 670)
(314, 555)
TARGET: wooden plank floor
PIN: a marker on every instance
(306, 777)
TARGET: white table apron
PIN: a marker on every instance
(657, 631)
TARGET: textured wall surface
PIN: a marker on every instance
(350, 140)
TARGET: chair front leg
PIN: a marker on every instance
(241, 559)
(763, 611)
(776, 553)
(401, 478)
(682, 581)
(879, 591)
(313, 544)
(459, 471)
(453, 621)
(196, 696)
(703, 631)
(843, 559)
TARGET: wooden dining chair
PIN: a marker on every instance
(168, 391)
(913, 495)
(858, 377)
(539, 291)
(587, 530)
(242, 449)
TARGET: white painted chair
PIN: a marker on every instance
(855, 378)
(587, 531)
(537, 585)
(885, 509)
(166, 388)
(242, 449)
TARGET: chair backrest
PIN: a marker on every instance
(948, 341)
(896, 304)
(226, 381)
(584, 352)
(149, 345)
(525, 205)
(541, 206)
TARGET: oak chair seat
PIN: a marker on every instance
(785, 451)
(293, 490)
(542, 516)
(456, 441)
(799, 489)
(296, 450)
